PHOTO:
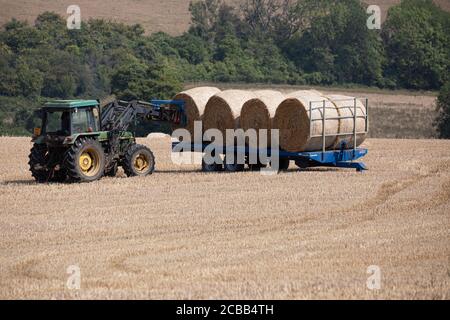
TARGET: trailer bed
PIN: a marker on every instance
(344, 158)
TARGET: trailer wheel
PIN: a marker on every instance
(302, 164)
(231, 165)
(139, 161)
(256, 166)
(211, 167)
(283, 164)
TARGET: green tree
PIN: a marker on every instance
(339, 46)
(204, 16)
(9, 85)
(18, 36)
(136, 80)
(281, 19)
(417, 36)
(53, 30)
(443, 107)
(30, 80)
(193, 48)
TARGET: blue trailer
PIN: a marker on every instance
(343, 158)
(340, 157)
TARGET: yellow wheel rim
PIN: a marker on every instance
(89, 162)
(141, 163)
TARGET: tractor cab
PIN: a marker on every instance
(65, 118)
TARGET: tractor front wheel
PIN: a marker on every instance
(139, 161)
(85, 160)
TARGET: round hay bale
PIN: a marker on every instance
(346, 108)
(258, 113)
(194, 103)
(223, 110)
(297, 130)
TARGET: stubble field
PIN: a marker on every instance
(184, 234)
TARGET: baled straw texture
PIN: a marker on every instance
(296, 130)
(223, 110)
(194, 103)
(346, 108)
(258, 113)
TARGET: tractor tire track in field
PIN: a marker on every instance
(119, 262)
(391, 188)
(28, 269)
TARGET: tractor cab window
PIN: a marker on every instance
(57, 122)
(79, 121)
(83, 121)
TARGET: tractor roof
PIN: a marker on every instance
(62, 104)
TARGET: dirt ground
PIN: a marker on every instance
(183, 234)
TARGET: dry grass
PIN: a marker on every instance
(171, 16)
(184, 234)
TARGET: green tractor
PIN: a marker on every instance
(80, 142)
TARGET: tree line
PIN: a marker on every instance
(306, 42)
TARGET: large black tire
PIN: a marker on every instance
(59, 176)
(211, 167)
(39, 157)
(301, 164)
(85, 160)
(139, 161)
(232, 165)
(283, 164)
(256, 166)
(38, 163)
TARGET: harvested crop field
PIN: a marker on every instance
(184, 234)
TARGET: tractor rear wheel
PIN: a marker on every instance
(38, 163)
(139, 161)
(39, 166)
(85, 160)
